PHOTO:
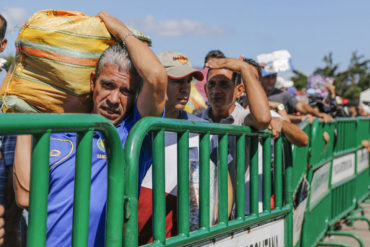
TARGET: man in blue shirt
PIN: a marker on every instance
(129, 83)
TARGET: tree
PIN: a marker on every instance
(350, 82)
(330, 68)
(299, 79)
(9, 60)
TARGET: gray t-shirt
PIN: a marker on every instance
(284, 97)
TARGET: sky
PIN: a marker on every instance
(307, 29)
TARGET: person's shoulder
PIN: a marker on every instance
(277, 91)
(192, 117)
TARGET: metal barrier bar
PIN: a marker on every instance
(278, 173)
(222, 180)
(224, 226)
(183, 182)
(80, 234)
(41, 125)
(159, 203)
(240, 177)
(267, 174)
(288, 193)
(204, 183)
(254, 176)
(345, 142)
(39, 190)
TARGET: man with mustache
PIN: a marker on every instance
(222, 91)
(129, 83)
(180, 74)
(223, 88)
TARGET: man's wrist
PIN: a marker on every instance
(280, 107)
(125, 36)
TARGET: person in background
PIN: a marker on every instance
(201, 83)
(285, 100)
(180, 74)
(3, 44)
(10, 214)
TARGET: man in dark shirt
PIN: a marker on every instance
(280, 100)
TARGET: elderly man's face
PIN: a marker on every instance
(220, 89)
(268, 83)
(114, 92)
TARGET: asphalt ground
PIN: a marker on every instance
(361, 228)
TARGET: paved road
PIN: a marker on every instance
(360, 228)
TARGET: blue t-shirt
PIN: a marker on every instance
(61, 183)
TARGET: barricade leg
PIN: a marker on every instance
(333, 244)
(364, 218)
(349, 234)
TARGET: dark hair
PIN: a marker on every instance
(214, 54)
(238, 79)
(2, 27)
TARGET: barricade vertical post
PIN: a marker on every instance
(39, 190)
(278, 173)
(254, 176)
(159, 204)
(222, 180)
(267, 174)
(240, 175)
(115, 198)
(204, 183)
(183, 181)
(81, 209)
(288, 194)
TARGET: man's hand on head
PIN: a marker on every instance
(225, 63)
(114, 26)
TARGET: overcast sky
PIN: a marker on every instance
(307, 29)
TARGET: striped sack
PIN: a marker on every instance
(56, 52)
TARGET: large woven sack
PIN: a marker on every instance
(56, 53)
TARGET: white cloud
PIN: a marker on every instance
(15, 17)
(176, 28)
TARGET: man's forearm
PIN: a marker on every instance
(258, 102)
(294, 134)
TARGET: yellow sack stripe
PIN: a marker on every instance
(56, 100)
(66, 41)
(56, 53)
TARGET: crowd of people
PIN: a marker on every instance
(129, 83)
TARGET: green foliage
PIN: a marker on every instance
(299, 79)
(9, 60)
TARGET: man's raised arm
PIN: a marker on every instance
(152, 96)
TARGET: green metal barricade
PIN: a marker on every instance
(331, 196)
(343, 179)
(362, 160)
(336, 185)
(299, 156)
(41, 126)
(318, 209)
(242, 224)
